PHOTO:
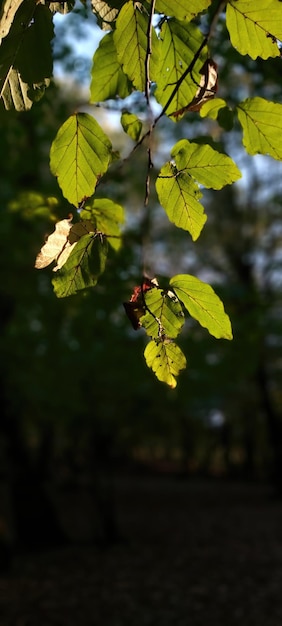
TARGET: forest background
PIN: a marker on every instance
(78, 403)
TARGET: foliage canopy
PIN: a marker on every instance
(159, 49)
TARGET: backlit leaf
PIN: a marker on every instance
(80, 155)
(179, 195)
(203, 304)
(212, 107)
(166, 360)
(83, 267)
(55, 244)
(164, 315)
(131, 125)
(130, 37)
(107, 77)
(106, 12)
(179, 43)
(210, 168)
(108, 216)
(182, 9)
(254, 27)
(262, 126)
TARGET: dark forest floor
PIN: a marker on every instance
(194, 554)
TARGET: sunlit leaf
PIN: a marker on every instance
(203, 304)
(212, 107)
(179, 43)
(166, 360)
(55, 244)
(131, 41)
(131, 125)
(83, 267)
(106, 12)
(107, 77)
(254, 27)
(262, 126)
(8, 12)
(80, 155)
(108, 216)
(164, 315)
(210, 168)
(182, 9)
(179, 195)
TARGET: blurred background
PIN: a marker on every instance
(93, 450)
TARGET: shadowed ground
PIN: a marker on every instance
(193, 554)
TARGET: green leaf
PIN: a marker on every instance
(218, 109)
(107, 216)
(212, 169)
(164, 315)
(131, 125)
(107, 77)
(179, 43)
(180, 9)
(203, 304)
(262, 126)
(131, 42)
(212, 107)
(179, 195)
(254, 27)
(166, 360)
(83, 266)
(26, 62)
(79, 156)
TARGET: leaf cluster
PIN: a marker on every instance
(159, 49)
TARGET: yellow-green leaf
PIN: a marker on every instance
(107, 77)
(164, 315)
(179, 195)
(254, 27)
(210, 168)
(182, 9)
(166, 360)
(80, 155)
(131, 125)
(262, 126)
(83, 267)
(179, 44)
(108, 216)
(131, 41)
(203, 304)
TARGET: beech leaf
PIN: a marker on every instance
(262, 126)
(210, 168)
(130, 37)
(79, 156)
(182, 9)
(255, 27)
(179, 44)
(107, 77)
(55, 244)
(164, 316)
(166, 360)
(179, 195)
(83, 266)
(203, 304)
